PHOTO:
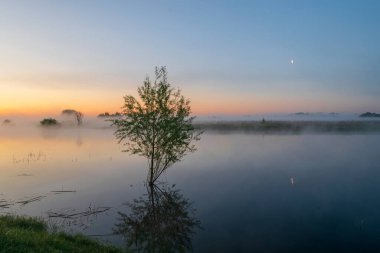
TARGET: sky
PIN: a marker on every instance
(227, 57)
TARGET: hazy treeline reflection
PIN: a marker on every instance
(292, 127)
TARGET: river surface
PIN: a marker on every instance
(251, 192)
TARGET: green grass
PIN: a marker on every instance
(29, 235)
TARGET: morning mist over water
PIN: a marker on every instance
(189, 126)
(250, 190)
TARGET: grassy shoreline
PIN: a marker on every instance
(294, 127)
(30, 235)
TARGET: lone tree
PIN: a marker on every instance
(157, 126)
(78, 115)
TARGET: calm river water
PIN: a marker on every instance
(252, 193)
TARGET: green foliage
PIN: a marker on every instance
(30, 235)
(49, 122)
(158, 125)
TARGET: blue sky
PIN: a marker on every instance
(227, 56)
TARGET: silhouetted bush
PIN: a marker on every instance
(6, 122)
(49, 122)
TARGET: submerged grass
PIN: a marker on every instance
(30, 235)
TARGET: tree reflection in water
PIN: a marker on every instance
(162, 220)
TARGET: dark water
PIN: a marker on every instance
(247, 201)
(253, 193)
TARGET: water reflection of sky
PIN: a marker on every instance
(240, 184)
(249, 203)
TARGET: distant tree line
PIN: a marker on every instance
(109, 115)
(370, 115)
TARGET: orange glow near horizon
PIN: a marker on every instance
(100, 103)
(96, 105)
(39, 101)
(42, 101)
(93, 102)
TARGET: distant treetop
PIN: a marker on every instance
(69, 111)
